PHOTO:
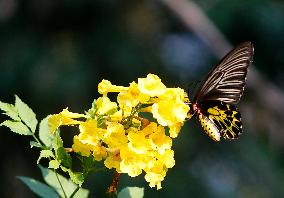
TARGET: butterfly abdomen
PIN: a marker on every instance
(209, 127)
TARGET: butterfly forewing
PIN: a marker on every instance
(227, 80)
(226, 118)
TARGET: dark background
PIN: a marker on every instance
(54, 53)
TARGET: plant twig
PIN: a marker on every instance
(112, 189)
(74, 192)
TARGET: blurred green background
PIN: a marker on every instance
(54, 53)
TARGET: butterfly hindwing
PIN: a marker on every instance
(226, 118)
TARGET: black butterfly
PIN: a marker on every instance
(223, 87)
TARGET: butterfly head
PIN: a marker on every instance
(193, 110)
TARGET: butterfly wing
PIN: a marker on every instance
(227, 79)
(221, 118)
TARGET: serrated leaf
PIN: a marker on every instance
(131, 192)
(64, 157)
(54, 164)
(35, 144)
(44, 132)
(93, 110)
(26, 114)
(88, 163)
(17, 127)
(10, 110)
(45, 154)
(57, 141)
(69, 187)
(77, 177)
(39, 188)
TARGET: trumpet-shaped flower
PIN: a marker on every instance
(170, 112)
(105, 86)
(160, 141)
(113, 159)
(105, 106)
(131, 162)
(155, 175)
(138, 142)
(132, 97)
(79, 147)
(115, 135)
(151, 85)
(64, 118)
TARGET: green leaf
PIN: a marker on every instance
(88, 163)
(40, 189)
(101, 121)
(45, 154)
(131, 192)
(17, 127)
(64, 157)
(26, 114)
(44, 132)
(77, 177)
(10, 110)
(54, 164)
(57, 141)
(92, 112)
(69, 187)
(35, 144)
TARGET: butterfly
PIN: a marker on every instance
(214, 102)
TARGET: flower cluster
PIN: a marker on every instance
(116, 132)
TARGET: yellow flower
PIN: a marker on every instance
(131, 162)
(149, 129)
(174, 94)
(105, 106)
(90, 133)
(175, 129)
(117, 116)
(99, 152)
(138, 142)
(168, 112)
(105, 86)
(115, 135)
(167, 158)
(151, 85)
(79, 147)
(64, 118)
(113, 160)
(89, 140)
(159, 140)
(132, 96)
(155, 175)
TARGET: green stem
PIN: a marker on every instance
(74, 192)
(60, 184)
(36, 139)
(129, 118)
